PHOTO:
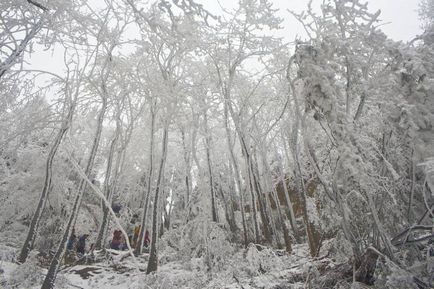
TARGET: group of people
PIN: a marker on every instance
(78, 244)
(118, 241)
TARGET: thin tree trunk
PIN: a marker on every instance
(237, 176)
(231, 201)
(226, 91)
(360, 106)
(187, 169)
(290, 208)
(208, 158)
(167, 208)
(139, 245)
(58, 257)
(311, 231)
(256, 192)
(153, 258)
(413, 183)
(100, 240)
(382, 233)
(163, 213)
(229, 220)
(266, 222)
(281, 216)
(253, 200)
(34, 224)
(267, 204)
(120, 160)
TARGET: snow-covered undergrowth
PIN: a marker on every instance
(254, 267)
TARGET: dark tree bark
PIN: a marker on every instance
(34, 224)
(228, 215)
(252, 195)
(311, 232)
(264, 205)
(289, 208)
(58, 257)
(187, 169)
(153, 257)
(100, 240)
(255, 193)
(236, 172)
(280, 214)
(139, 245)
(211, 181)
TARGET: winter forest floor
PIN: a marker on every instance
(254, 267)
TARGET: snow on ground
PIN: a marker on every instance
(256, 267)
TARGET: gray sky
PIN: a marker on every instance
(400, 20)
(399, 16)
(402, 15)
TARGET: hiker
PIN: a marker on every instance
(146, 241)
(124, 245)
(71, 241)
(81, 244)
(117, 240)
(136, 235)
(134, 218)
(116, 208)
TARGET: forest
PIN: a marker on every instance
(162, 144)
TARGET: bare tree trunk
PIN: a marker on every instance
(311, 232)
(253, 200)
(230, 203)
(153, 258)
(290, 209)
(168, 215)
(187, 168)
(266, 223)
(226, 91)
(281, 216)
(208, 158)
(163, 213)
(237, 176)
(257, 192)
(139, 244)
(360, 106)
(167, 205)
(228, 215)
(413, 184)
(57, 259)
(266, 203)
(34, 224)
(381, 231)
(120, 160)
(100, 240)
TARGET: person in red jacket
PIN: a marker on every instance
(117, 240)
(146, 241)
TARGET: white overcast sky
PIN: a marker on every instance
(400, 19)
(401, 16)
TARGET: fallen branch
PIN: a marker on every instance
(106, 203)
(396, 240)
